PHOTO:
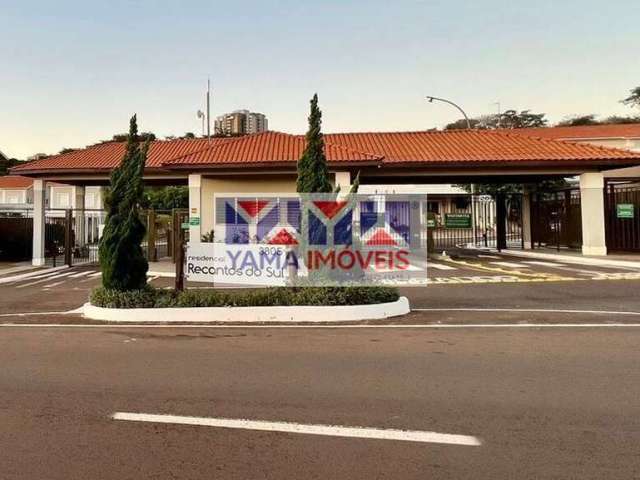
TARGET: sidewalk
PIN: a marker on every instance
(7, 268)
(572, 256)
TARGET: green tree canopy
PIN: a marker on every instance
(578, 120)
(6, 164)
(508, 119)
(313, 172)
(122, 261)
(166, 198)
(634, 98)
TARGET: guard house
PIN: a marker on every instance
(266, 163)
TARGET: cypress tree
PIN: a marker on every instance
(313, 173)
(122, 261)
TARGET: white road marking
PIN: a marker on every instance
(82, 274)
(440, 266)
(316, 326)
(44, 280)
(508, 264)
(308, 429)
(528, 310)
(489, 256)
(97, 274)
(36, 277)
(47, 287)
(544, 264)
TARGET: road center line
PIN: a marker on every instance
(308, 429)
(310, 327)
(527, 310)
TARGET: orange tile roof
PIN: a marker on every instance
(630, 130)
(382, 148)
(461, 146)
(106, 156)
(15, 181)
(268, 147)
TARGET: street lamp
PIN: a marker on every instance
(473, 189)
(431, 99)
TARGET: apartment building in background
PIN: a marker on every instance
(240, 122)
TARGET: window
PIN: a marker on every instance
(62, 200)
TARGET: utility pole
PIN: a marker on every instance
(208, 110)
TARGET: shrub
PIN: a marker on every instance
(149, 297)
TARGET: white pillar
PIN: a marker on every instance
(343, 179)
(38, 258)
(526, 218)
(593, 219)
(79, 215)
(195, 199)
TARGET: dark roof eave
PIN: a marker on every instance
(78, 171)
(544, 163)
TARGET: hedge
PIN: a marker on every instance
(283, 296)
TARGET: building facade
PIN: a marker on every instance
(241, 122)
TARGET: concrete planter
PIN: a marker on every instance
(250, 314)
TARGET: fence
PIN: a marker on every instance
(556, 219)
(16, 231)
(477, 220)
(622, 205)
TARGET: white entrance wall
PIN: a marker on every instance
(235, 185)
(592, 209)
(39, 193)
(195, 202)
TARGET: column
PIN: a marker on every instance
(526, 218)
(593, 217)
(38, 258)
(343, 179)
(195, 198)
(79, 216)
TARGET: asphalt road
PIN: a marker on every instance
(552, 403)
(468, 280)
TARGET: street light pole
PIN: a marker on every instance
(473, 196)
(431, 99)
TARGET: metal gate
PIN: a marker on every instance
(622, 202)
(476, 220)
(16, 232)
(556, 219)
(72, 236)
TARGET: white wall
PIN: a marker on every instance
(13, 196)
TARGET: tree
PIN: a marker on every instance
(166, 198)
(144, 136)
(633, 99)
(313, 173)
(461, 124)
(66, 150)
(122, 261)
(578, 120)
(6, 164)
(509, 119)
(189, 135)
(618, 119)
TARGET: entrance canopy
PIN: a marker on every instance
(378, 156)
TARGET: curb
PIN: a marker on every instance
(597, 262)
(343, 313)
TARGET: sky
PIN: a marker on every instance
(73, 72)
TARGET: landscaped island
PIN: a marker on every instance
(268, 297)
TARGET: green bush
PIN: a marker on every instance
(149, 297)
